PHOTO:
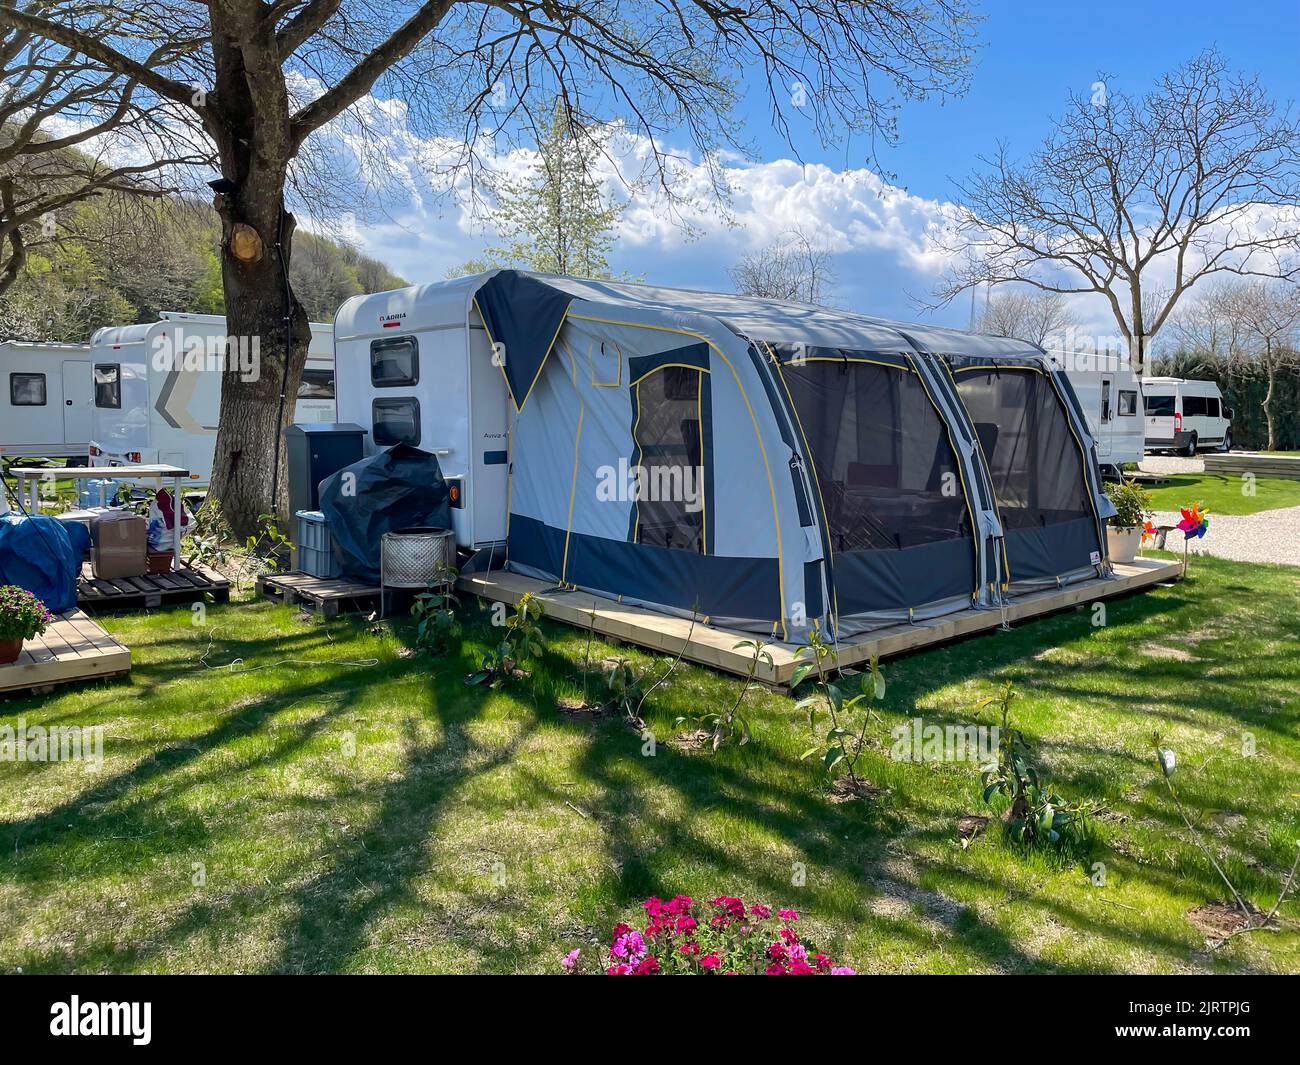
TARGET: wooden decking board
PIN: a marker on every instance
(714, 647)
(1283, 466)
(126, 593)
(73, 648)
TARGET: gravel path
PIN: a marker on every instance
(1171, 464)
(1269, 536)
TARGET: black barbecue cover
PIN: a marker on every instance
(399, 488)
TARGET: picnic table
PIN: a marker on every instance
(34, 476)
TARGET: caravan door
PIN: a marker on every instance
(1105, 417)
(78, 402)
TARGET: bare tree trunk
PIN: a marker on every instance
(260, 307)
(1271, 372)
(262, 312)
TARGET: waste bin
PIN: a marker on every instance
(314, 450)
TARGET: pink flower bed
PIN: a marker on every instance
(720, 937)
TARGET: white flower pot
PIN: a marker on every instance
(1123, 543)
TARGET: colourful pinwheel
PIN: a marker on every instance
(1149, 532)
(1195, 521)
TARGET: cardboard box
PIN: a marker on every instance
(119, 545)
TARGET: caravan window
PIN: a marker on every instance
(888, 475)
(1195, 407)
(1128, 403)
(670, 442)
(396, 421)
(108, 385)
(394, 361)
(1160, 406)
(27, 389)
(316, 384)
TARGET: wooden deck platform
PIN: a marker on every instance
(73, 648)
(132, 593)
(327, 596)
(712, 646)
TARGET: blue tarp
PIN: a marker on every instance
(399, 488)
(37, 553)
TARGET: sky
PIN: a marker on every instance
(1031, 56)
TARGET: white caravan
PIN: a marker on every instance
(45, 400)
(157, 389)
(1111, 397)
(1185, 416)
(415, 368)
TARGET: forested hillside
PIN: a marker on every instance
(124, 261)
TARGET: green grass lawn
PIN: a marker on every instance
(1223, 495)
(285, 795)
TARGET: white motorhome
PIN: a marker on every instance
(157, 389)
(45, 400)
(1185, 416)
(1111, 396)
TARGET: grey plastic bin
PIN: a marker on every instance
(315, 546)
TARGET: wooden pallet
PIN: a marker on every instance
(1286, 467)
(73, 648)
(712, 646)
(132, 593)
(329, 596)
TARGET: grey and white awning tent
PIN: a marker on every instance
(766, 465)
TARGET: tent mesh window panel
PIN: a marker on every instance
(889, 478)
(1031, 453)
(669, 508)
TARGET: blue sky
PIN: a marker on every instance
(1032, 55)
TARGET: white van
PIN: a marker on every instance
(1110, 394)
(1185, 416)
(157, 389)
(45, 400)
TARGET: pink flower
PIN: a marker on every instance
(630, 945)
(648, 967)
(690, 948)
(787, 915)
(710, 961)
(822, 961)
(843, 970)
(777, 952)
(761, 912)
(653, 906)
(685, 923)
(618, 970)
(570, 960)
(776, 969)
(801, 968)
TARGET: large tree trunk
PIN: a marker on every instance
(256, 407)
(255, 145)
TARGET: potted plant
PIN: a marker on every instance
(1133, 507)
(22, 617)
